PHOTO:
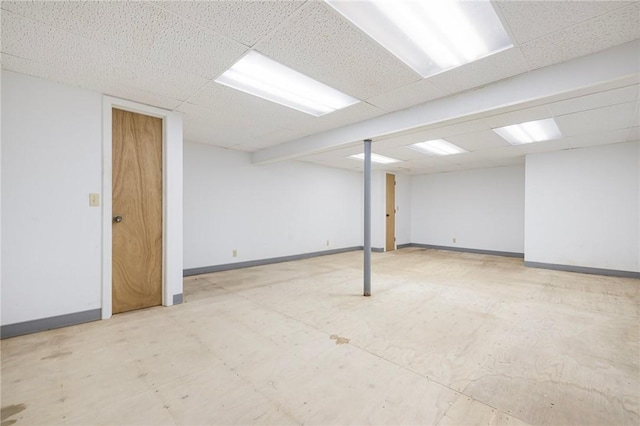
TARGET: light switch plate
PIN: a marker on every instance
(94, 200)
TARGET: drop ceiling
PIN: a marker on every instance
(167, 54)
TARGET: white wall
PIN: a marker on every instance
(482, 209)
(583, 207)
(378, 208)
(264, 211)
(51, 161)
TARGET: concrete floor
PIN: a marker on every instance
(447, 339)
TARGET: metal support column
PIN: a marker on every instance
(367, 217)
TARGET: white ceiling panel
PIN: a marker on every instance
(166, 54)
(610, 29)
(93, 61)
(601, 138)
(407, 96)
(496, 67)
(244, 21)
(596, 120)
(634, 134)
(529, 20)
(194, 49)
(325, 46)
(352, 114)
(485, 139)
(584, 103)
(71, 77)
(544, 146)
(519, 116)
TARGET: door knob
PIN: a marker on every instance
(117, 218)
(387, 215)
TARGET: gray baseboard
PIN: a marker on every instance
(27, 327)
(469, 250)
(177, 299)
(401, 246)
(377, 249)
(583, 269)
(260, 262)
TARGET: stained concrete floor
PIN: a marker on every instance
(447, 339)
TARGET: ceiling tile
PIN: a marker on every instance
(545, 146)
(485, 139)
(352, 114)
(496, 67)
(194, 49)
(519, 116)
(244, 21)
(583, 103)
(71, 77)
(601, 138)
(92, 61)
(407, 96)
(323, 45)
(596, 120)
(611, 29)
(529, 20)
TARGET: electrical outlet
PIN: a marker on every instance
(454, 240)
(235, 253)
(327, 243)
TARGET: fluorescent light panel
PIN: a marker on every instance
(437, 147)
(376, 158)
(531, 131)
(430, 36)
(263, 77)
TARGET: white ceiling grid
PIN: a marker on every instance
(167, 54)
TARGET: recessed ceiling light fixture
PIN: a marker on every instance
(376, 158)
(531, 131)
(430, 36)
(437, 147)
(263, 77)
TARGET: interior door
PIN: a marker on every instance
(391, 213)
(137, 211)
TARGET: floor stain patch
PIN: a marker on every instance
(56, 355)
(339, 340)
(11, 410)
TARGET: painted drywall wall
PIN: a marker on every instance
(265, 211)
(583, 207)
(482, 209)
(378, 209)
(51, 161)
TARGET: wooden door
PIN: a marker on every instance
(137, 211)
(391, 213)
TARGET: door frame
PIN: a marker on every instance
(171, 199)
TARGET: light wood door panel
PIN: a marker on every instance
(137, 199)
(391, 213)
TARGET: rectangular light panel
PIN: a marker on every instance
(437, 147)
(263, 77)
(531, 131)
(376, 158)
(430, 36)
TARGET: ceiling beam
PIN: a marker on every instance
(620, 62)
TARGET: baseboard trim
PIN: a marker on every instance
(377, 249)
(261, 262)
(43, 324)
(177, 299)
(401, 246)
(583, 269)
(467, 250)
